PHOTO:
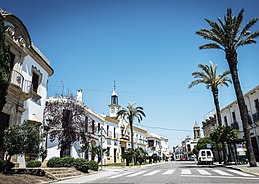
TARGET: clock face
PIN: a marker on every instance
(112, 109)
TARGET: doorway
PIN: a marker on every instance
(114, 155)
(4, 123)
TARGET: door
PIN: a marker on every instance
(255, 148)
(4, 119)
(115, 155)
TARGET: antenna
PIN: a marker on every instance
(62, 94)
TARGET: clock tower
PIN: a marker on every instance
(114, 106)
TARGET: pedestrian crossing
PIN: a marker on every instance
(184, 172)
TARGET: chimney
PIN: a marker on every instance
(79, 95)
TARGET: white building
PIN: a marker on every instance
(231, 116)
(29, 79)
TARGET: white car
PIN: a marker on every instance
(205, 157)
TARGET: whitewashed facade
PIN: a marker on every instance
(231, 116)
(27, 90)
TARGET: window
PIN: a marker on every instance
(257, 105)
(12, 59)
(208, 153)
(114, 134)
(93, 127)
(225, 120)
(86, 124)
(234, 116)
(203, 153)
(99, 127)
(35, 82)
(107, 129)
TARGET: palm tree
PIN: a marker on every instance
(228, 36)
(129, 114)
(209, 77)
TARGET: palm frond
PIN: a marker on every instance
(210, 46)
(195, 83)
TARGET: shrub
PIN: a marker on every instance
(81, 165)
(93, 165)
(33, 163)
(67, 161)
(55, 162)
(3, 165)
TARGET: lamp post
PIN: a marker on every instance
(102, 129)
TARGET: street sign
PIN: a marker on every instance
(209, 146)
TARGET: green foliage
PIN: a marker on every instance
(141, 155)
(93, 165)
(67, 161)
(34, 163)
(128, 155)
(129, 114)
(14, 141)
(202, 143)
(55, 162)
(4, 65)
(81, 165)
(4, 165)
(155, 157)
(21, 139)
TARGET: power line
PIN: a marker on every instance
(162, 128)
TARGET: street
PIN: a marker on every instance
(177, 172)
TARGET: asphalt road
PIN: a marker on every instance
(177, 172)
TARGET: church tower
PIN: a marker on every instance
(114, 106)
(196, 131)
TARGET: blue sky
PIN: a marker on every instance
(148, 47)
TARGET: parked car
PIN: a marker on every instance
(183, 158)
(191, 158)
(205, 157)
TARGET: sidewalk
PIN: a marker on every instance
(244, 168)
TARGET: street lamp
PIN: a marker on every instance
(101, 135)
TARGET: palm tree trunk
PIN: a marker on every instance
(215, 92)
(219, 157)
(131, 134)
(232, 62)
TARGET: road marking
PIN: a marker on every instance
(203, 172)
(151, 173)
(222, 172)
(239, 172)
(186, 171)
(135, 174)
(169, 172)
(221, 177)
(119, 175)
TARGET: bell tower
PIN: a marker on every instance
(196, 131)
(114, 106)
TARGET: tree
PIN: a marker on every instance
(128, 155)
(129, 115)
(4, 65)
(215, 136)
(202, 143)
(228, 36)
(66, 121)
(20, 139)
(209, 77)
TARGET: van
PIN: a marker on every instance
(205, 157)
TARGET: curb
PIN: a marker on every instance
(243, 170)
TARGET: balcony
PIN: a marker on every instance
(17, 81)
(256, 116)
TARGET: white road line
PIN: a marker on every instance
(186, 171)
(119, 175)
(222, 172)
(135, 174)
(221, 177)
(151, 173)
(169, 172)
(239, 173)
(203, 172)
